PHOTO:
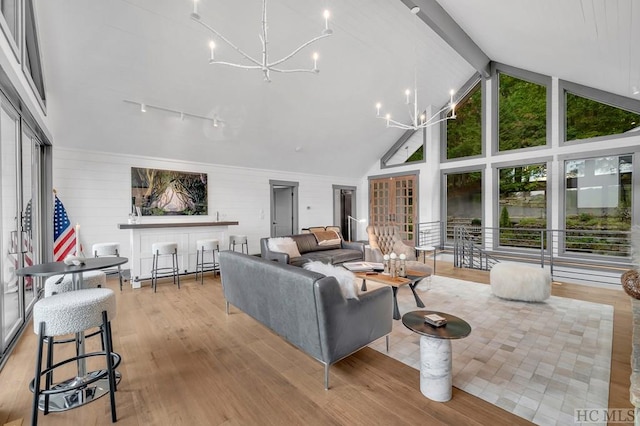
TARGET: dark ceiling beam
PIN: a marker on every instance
(432, 14)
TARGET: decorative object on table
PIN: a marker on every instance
(263, 64)
(65, 240)
(386, 263)
(393, 267)
(402, 268)
(435, 320)
(419, 120)
(165, 192)
(363, 266)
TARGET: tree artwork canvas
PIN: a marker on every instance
(166, 192)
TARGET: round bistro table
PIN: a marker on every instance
(435, 351)
(75, 398)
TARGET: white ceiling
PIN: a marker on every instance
(97, 54)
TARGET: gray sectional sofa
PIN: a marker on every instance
(310, 250)
(306, 308)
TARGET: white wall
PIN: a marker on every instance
(95, 188)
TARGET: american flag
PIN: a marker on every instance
(64, 235)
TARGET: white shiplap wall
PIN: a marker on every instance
(95, 188)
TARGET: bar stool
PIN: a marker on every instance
(161, 249)
(56, 284)
(108, 249)
(203, 246)
(240, 240)
(69, 313)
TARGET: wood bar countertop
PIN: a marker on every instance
(172, 224)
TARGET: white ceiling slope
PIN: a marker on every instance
(96, 55)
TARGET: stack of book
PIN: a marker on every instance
(435, 320)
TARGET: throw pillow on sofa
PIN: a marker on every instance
(345, 278)
(284, 245)
(327, 238)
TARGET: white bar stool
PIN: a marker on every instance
(203, 246)
(56, 284)
(161, 249)
(108, 249)
(69, 313)
(240, 240)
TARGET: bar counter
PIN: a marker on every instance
(185, 234)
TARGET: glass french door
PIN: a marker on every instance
(19, 226)
(394, 201)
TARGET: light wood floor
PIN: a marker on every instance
(185, 362)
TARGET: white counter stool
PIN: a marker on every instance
(69, 313)
(203, 246)
(164, 249)
(240, 240)
(62, 283)
(108, 249)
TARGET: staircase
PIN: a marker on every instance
(467, 253)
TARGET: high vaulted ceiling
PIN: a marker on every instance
(99, 54)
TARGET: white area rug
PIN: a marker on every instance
(539, 361)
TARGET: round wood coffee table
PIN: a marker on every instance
(435, 351)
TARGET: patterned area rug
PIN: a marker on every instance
(540, 361)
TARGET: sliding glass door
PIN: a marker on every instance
(20, 221)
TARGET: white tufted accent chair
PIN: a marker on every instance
(385, 239)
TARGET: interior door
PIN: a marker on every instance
(283, 213)
(393, 201)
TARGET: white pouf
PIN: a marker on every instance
(515, 281)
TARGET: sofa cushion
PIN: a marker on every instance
(306, 243)
(284, 245)
(345, 278)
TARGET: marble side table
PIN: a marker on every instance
(435, 351)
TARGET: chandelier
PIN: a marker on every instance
(263, 64)
(419, 121)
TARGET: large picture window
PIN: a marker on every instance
(523, 204)
(587, 118)
(464, 200)
(522, 113)
(598, 195)
(464, 134)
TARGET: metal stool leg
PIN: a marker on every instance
(177, 268)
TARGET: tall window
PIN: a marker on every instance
(523, 204)
(464, 200)
(598, 195)
(464, 134)
(587, 118)
(522, 113)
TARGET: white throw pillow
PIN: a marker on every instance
(284, 245)
(346, 278)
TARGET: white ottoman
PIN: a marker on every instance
(515, 281)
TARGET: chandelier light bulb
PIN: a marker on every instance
(143, 108)
(378, 106)
(326, 30)
(315, 61)
(194, 14)
(212, 46)
(407, 93)
(422, 118)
